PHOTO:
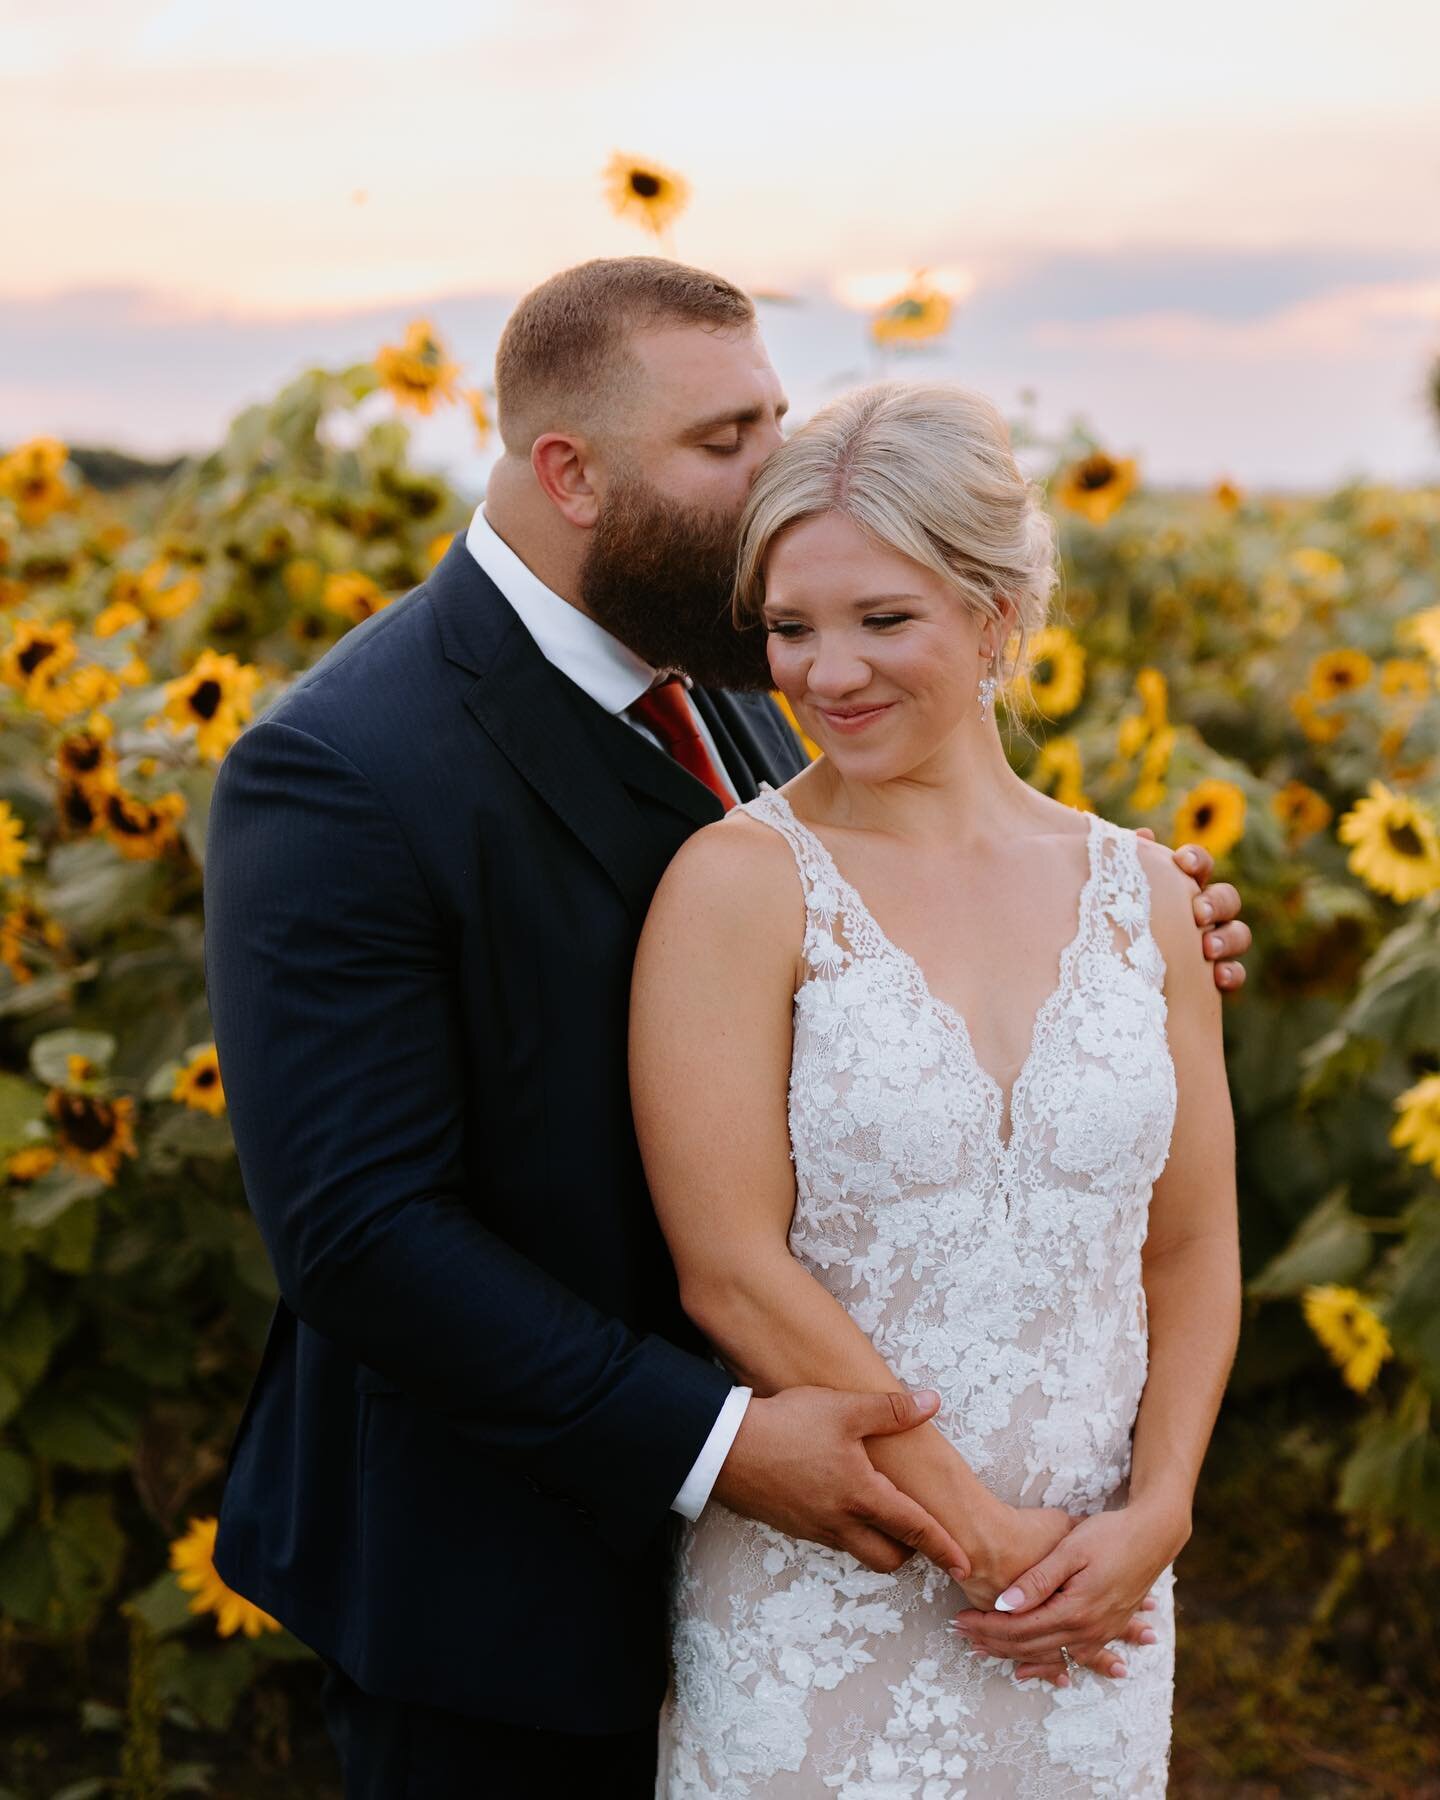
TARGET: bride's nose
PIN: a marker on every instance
(836, 670)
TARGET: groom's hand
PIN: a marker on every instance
(1217, 913)
(799, 1463)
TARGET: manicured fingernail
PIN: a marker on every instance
(1010, 1599)
(1188, 858)
(958, 1575)
(1205, 911)
(1216, 943)
(1148, 1637)
(926, 1397)
(1118, 1670)
(1062, 1681)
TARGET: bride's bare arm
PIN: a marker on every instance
(1095, 1579)
(710, 1062)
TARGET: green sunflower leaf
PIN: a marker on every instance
(50, 1054)
(1330, 1246)
(17, 1484)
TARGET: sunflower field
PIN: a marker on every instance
(1255, 673)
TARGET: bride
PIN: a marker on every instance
(928, 1078)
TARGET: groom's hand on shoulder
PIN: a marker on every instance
(1217, 914)
(799, 1463)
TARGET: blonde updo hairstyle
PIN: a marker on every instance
(927, 469)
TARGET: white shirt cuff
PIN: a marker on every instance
(690, 1501)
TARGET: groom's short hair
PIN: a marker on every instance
(563, 359)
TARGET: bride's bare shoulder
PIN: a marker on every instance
(738, 869)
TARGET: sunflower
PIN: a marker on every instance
(353, 595)
(1319, 728)
(1226, 494)
(33, 478)
(645, 193)
(1060, 771)
(479, 411)
(60, 695)
(916, 314)
(1097, 485)
(1418, 1127)
(417, 373)
(1350, 1330)
(1406, 678)
(91, 1133)
(1319, 574)
(192, 1557)
(1212, 815)
(302, 578)
(78, 806)
(1422, 630)
(1137, 729)
(164, 598)
(14, 851)
(119, 615)
(30, 1163)
(141, 830)
(1055, 680)
(1339, 672)
(1155, 765)
(198, 1083)
(1154, 692)
(85, 757)
(24, 930)
(1301, 811)
(812, 749)
(36, 653)
(216, 697)
(1394, 844)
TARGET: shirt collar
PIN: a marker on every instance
(586, 652)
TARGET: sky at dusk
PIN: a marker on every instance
(1214, 233)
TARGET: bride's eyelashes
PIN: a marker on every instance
(792, 628)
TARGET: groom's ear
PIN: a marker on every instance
(562, 467)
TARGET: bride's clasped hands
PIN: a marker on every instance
(1090, 1589)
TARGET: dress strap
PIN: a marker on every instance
(827, 946)
(1122, 899)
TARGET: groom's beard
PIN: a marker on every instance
(658, 576)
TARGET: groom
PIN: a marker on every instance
(480, 1405)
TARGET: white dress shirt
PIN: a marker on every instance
(615, 678)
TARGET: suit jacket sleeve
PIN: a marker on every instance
(340, 1048)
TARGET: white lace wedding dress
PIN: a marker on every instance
(1002, 1270)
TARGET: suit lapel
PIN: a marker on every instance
(649, 770)
(764, 746)
(540, 721)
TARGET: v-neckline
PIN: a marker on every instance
(1003, 1102)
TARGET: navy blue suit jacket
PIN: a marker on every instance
(427, 869)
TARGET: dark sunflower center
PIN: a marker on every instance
(1044, 672)
(87, 1123)
(206, 698)
(646, 186)
(205, 1078)
(1204, 815)
(75, 805)
(133, 821)
(1096, 472)
(83, 755)
(1404, 840)
(34, 654)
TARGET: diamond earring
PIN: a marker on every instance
(988, 684)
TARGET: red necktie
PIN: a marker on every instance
(667, 712)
